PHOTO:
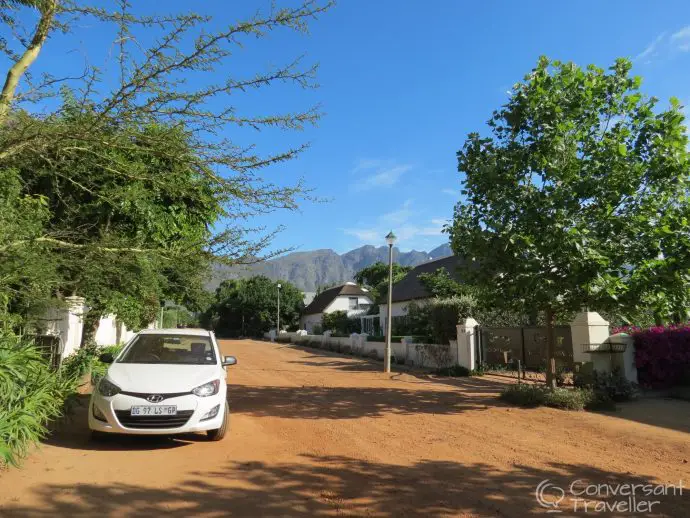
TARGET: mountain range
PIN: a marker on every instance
(324, 267)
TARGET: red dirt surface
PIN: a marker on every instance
(317, 434)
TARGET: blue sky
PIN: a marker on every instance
(401, 85)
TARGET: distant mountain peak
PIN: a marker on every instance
(324, 267)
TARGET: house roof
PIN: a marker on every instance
(324, 299)
(411, 288)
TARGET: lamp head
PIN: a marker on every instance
(390, 238)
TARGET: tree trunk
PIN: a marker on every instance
(91, 322)
(118, 332)
(550, 349)
(15, 73)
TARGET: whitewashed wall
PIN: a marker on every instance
(409, 353)
(309, 321)
(107, 331)
(67, 323)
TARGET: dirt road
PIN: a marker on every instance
(318, 435)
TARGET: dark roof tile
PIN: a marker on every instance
(411, 288)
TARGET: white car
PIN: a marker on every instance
(164, 381)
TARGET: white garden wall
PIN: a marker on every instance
(67, 323)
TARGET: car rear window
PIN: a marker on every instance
(170, 349)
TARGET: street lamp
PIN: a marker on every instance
(390, 239)
(278, 326)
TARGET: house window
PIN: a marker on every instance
(354, 302)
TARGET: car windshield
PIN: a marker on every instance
(168, 348)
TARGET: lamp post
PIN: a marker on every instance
(278, 325)
(390, 239)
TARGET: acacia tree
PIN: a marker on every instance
(579, 198)
(173, 102)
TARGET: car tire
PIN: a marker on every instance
(219, 433)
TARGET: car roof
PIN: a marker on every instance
(176, 331)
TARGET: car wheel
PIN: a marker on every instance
(219, 433)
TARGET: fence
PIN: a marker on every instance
(506, 345)
(371, 325)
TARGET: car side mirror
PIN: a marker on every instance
(229, 360)
(106, 358)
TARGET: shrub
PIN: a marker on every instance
(444, 315)
(527, 395)
(524, 395)
(568, 399)
(339, 323)
(31, 394)
(662, 356)
(317, 330)
(614, 386)
(457, 371)
(611, 386)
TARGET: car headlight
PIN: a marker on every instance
(107, 388)
(207, 389)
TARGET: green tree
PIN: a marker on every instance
(579, 198)
(441, 284)
(375, 278)
(249, 307)
(135, 181)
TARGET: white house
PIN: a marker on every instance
(410, 288)
(346, 297)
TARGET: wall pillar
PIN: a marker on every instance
(624, 361)
(587, 328)
(467, 343)
(74, 324)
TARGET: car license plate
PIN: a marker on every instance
(154, 410)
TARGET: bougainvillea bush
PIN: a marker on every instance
(662, 356)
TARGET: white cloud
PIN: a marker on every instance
(451, 192)
(364, 164)
(681, 39)
(364, 235)
(398, 216)
(377, 173)
(665, 45)
(651, 50)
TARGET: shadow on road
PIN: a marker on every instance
(317, 402)
(339, 486)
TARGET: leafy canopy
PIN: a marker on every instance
(249, 307)
(579, 197)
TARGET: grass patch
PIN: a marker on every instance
(530, 396)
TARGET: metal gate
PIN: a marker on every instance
(507, 345)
